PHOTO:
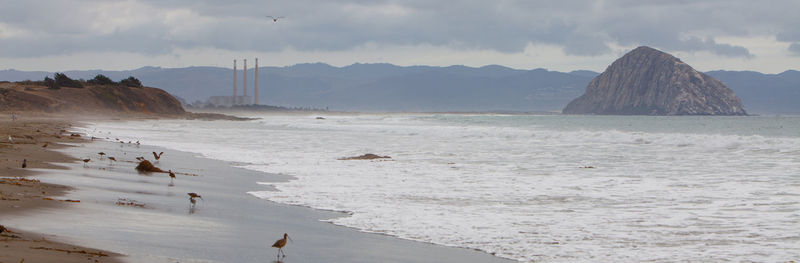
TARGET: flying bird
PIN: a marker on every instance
(158, 156)
(275, 19)
(281, 243)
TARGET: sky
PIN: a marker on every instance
(60, 35)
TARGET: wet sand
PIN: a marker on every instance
(156, 222)
(23, 195)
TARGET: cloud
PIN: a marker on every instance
(794, 48)
(580, 28)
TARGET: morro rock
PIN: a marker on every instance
(650, 82)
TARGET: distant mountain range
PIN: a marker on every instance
(386, 87)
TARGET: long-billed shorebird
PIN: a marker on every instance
(281, 243)
(110, 159)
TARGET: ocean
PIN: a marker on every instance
(550, 188)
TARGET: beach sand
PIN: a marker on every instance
(21, 195)
(156, 223)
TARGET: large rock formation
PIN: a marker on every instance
(650, 82)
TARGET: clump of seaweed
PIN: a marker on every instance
(129, 202)
(146, 167)
(368, 156)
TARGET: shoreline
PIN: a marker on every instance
(22, 193)
(319, 241)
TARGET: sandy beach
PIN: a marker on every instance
(34, 140)
(148, 217)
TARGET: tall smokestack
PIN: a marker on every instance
(234, 81)
(244, 81)
(255, 86)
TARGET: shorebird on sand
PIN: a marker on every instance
(192, 196)
(101, 154)
(281, 243)
(24, 163)
(110, 159)
(85, 161)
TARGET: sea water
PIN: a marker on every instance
(532, 188)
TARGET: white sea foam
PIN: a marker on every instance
(519, 187)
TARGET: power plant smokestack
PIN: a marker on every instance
(234, 80)
(244, 81)
(255, 86)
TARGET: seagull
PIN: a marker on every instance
(275, 19)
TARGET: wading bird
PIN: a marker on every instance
(158, 156)
(101, 154)
(275, 19)
(24, 163)
(110, 159)
(85, 161)
(45, 145)
(192, 196)
(171, 177)
(281, 243)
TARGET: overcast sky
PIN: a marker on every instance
(58, 35)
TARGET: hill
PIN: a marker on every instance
(38, 97)
(386, 87)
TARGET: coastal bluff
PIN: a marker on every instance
(646, 81)
(37, 97)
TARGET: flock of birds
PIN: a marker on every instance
(279, 244)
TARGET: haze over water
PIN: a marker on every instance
(543, 188)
